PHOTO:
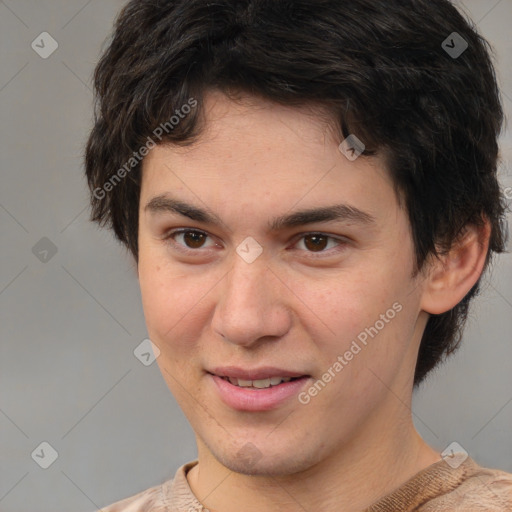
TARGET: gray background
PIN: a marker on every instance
(69, 326)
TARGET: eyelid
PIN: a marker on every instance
(342, 241)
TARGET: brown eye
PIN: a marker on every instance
(194, 239)
(316, 242)
(191, 240)
(321, 245)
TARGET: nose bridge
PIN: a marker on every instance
(250, 306)
(249, 281)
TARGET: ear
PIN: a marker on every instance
(451, 276)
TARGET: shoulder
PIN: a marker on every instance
(148, 500)
(484, 489)
(172, 494)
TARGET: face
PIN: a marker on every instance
(235, 284)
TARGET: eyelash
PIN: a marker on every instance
(171, 234)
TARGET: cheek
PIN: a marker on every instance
(345, 302)
(164, 294)
(173, 300)
(347, 322)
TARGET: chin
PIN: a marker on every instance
(249, 460)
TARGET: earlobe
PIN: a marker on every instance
(451, 276)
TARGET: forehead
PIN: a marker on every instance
(227, 114)
(247, 125)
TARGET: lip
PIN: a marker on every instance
(257, 400)
(264, 372)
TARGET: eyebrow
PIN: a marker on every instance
(344, 212)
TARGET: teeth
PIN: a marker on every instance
(259, 384)
(263, 383)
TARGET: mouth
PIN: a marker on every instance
(257, 390)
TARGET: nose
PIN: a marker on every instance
(251, 305)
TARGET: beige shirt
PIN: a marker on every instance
(437, 488)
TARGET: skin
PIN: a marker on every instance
(294, 307)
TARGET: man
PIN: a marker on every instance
(309, 191)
